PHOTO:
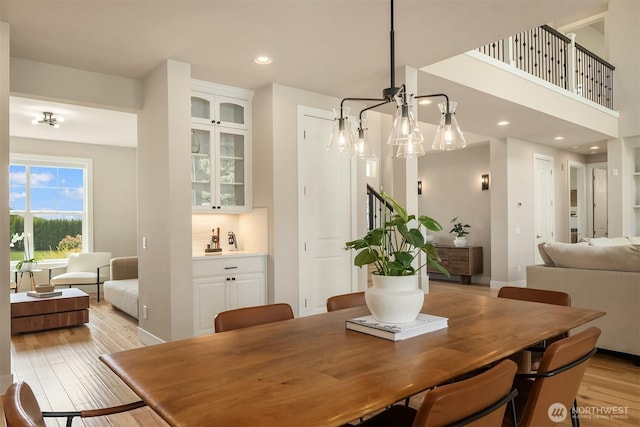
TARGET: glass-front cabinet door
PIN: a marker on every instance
(219, 169)
(232, 168)
(201, 185)
(219, 110)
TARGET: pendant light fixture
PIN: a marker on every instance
(405, 133)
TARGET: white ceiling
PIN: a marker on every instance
(338, 48)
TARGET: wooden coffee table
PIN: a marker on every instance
(29, 314)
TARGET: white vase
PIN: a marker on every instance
(26, 266)
(460, 242)
(394, 299)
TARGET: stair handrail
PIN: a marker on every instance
(372, 197)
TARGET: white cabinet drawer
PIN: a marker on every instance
(229, 265)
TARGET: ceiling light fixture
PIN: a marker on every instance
(558, 138)
(404, 132)
(48, 119)
(262, 60)
(503, 123)
(595, 147)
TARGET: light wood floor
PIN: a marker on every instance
(63, 368)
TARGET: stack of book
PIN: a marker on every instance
(397, 331)
(44, 294)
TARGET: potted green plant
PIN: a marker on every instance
(460, 232)
(392, 249)
(26, 263)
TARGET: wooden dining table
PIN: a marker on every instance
(311, 371)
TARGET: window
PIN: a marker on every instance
(50, 203)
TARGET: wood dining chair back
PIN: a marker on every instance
(339, 302)
(535, 295)
(21, 408)
(556, 383)
(251, 316)
(534, 355)
(477, 401)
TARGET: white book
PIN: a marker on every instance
(397, 331)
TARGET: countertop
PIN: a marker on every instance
(226, 254)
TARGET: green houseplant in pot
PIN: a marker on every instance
(392, 249)
(459, 231)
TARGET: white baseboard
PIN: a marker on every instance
(148, 338)
(496, 284)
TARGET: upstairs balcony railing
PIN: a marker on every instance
(558, 59)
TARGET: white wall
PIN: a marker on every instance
(519, 222)
(450, 188)
(114, 189)
(164, 205)
(5, 319)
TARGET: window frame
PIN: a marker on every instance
(29, 160)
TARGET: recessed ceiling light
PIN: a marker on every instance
(595, 147)
(262, 60)
(503, 123)
(558, 138)
(424, 102)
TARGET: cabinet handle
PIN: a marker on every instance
(233, 278)
(230, 268)
(228, 279)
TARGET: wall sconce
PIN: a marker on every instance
(419, 187)
(485, 182)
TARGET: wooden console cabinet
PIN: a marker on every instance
(463, 261)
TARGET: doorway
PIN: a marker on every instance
(325, 212)
(577, 201)
(543, 202)
(600, 218)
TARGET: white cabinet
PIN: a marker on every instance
(220, 148)
(224, 283)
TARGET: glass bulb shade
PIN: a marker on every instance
(405, 128)
(448, 136)
(410, 150)
(363, 147)
(341, 138)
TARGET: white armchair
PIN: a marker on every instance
(91, 268)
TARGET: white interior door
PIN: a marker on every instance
(600, 219)
(543, 202)
(324, 205)
(578, 211)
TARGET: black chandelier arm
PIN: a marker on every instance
(433, 96)
(370, 108)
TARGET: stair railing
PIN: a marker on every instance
(376, 204)
(558, 59)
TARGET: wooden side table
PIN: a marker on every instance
(464, 261)
(32, 279)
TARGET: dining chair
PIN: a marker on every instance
(21, 408)
(545, 396)
(339, 302)
(251, 316)
(534, 353)
(87, 268)
(480, 400)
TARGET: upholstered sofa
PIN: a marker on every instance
(121, 291)
(603, 275)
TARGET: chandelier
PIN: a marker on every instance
(405, 133)
(48, 119)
